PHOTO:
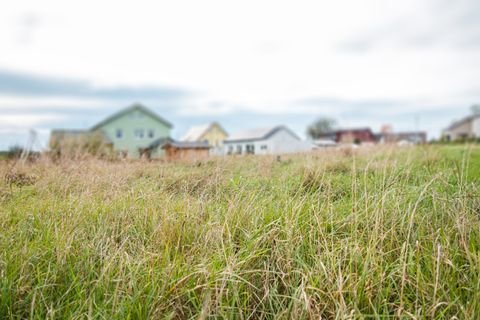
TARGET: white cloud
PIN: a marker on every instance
(27, 121)
(252, 56)
(24, 103)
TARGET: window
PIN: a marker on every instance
(239, 149)
(250, 149)
(119, 133)
(139, 133)
(230, 150)
(151, 133)
(263, 147)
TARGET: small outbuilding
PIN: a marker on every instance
(186, 151)
(352, 135)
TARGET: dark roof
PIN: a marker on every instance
(347, 130)
(186, 145)
(259, 134)
(136, 106)
(164, 142)
(159, 142)
(462, 121)
(405, 135)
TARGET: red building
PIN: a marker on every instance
(354, 135)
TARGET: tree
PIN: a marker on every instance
(321, 126)
(475, 109)
(15, 151)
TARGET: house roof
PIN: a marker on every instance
(186, 145)
(405, 135)
(75, 133)
(159, 142)
(347, 130)
(259, 134)
(68, 131)
(195, 133)
(133, 107)
(462, 121)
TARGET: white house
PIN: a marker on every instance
(272, 140)
(466, 128)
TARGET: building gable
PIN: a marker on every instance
(214, 135)
(136, 109)
(199, 133)
(274, 140)
(133, 130)
(285, 131)
(260, 134)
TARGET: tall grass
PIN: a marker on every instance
(373, 233)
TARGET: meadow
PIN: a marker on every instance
(348, 234)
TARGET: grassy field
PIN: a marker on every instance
(371, 233)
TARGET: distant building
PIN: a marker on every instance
(271, 140)
(79, 143)
(73, 136)
(389, 136)
(186, 151)
(467, 128)
(213, 134)
(410, 137)
(130, 131)
(354, 135)
(322, 144)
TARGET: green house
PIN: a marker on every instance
(131, 132)
(134, 129)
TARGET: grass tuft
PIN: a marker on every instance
(368, 233)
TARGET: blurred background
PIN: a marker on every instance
(413, 65)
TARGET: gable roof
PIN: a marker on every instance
(133, 107)
(462, 121)
(259, 134)
(159, 142)
(196, 132)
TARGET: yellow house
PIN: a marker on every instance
(212, 133)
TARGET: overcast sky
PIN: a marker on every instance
(67, 64)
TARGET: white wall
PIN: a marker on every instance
(279, 143)
(476, 127)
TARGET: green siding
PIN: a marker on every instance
(136, 119)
